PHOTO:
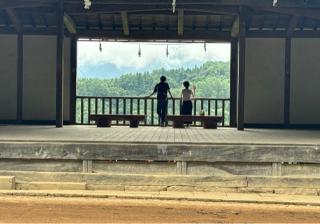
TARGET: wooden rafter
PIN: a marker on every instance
(14, 20)
(69, 24)
(235, 27)
(292, 25)
(180, 22)
(125, 23)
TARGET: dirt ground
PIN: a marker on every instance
(77, 210)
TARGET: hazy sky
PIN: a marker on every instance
(122, 57)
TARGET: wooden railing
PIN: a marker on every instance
(86, 105)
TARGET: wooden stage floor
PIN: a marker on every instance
(168, 135)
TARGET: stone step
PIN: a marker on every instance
(30, 180)
(129, 179)
(7, 183)
(37, 185)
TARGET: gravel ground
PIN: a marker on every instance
(90, 210)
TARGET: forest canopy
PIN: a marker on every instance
(211, 80)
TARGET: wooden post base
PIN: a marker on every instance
(209, 125)
(178, 124)
(134, 124)
(103, 123)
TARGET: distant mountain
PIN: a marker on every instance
(109, 70)
(212, 79)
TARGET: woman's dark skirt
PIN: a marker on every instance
(186, 109)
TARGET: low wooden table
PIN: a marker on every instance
(209, 122)
(104, 120)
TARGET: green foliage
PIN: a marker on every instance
(211, 79)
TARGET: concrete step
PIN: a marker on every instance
(159, 183)
(7, 182)
(50, 186)
(260, 198)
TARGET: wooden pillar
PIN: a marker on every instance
(241, 71)
(20, 78)
(233, 82)
(59, 65)
(287, 82)
(73, 80)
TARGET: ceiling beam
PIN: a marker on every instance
(297, 3)
(235, 27)
(180, 22)
(157, 35)
(299, 12)
(125, 23)
(70, 24)
(105, 9)
(14, 20)
(25, 3)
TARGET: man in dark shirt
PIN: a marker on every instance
(162, 89)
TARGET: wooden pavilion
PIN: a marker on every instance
(275, 47)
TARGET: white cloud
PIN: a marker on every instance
(125, 54)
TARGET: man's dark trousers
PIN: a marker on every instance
(162, 108)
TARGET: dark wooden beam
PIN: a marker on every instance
(59, 65)
(228, 10)
(125, 23)
(233, 82)
(287, 3)
(283, 34)
(297, 3)
(287, 81)
(180, 22)
(5, 4)
(20, 77)
(299, 12)
(14, 20)
(69, 24)
(73, 80)
(241, 70)
(209, 35)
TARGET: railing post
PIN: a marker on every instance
(131, 106)
(124, 101)
(152, 111)
(89, 109)
(216, 107)
(117, 108)
(103, 105)
(223, 113)
(82, 111)
(138, 106)
(145, 111)
(96, 105)
(110, 105)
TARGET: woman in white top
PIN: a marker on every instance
(186, 96)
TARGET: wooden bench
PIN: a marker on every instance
(105, 120)
(209, 122)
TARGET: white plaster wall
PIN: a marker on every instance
(8, 77)
(305, 81)
(40, 78)
(264, 80)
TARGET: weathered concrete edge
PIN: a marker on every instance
(161, 152)
(151, 197)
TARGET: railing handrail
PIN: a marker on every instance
(142, 97)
